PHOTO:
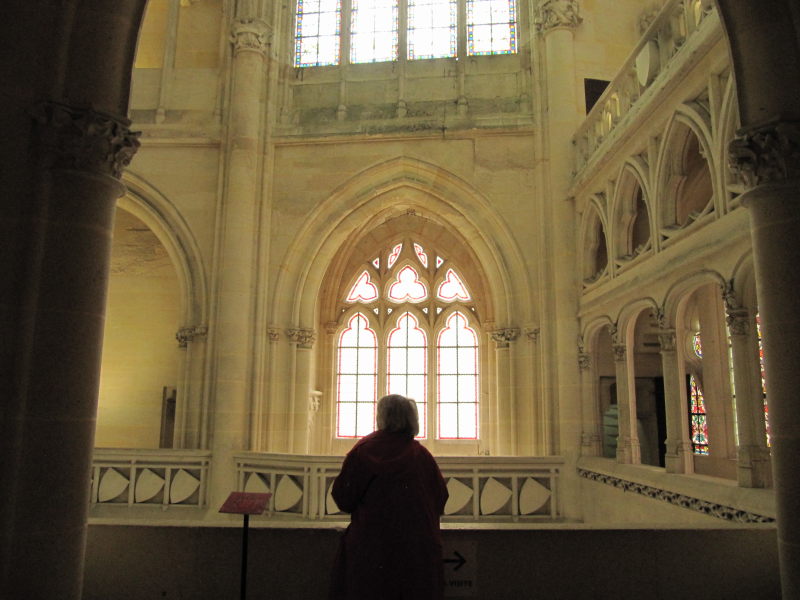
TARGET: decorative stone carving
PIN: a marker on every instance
(302, 337)
(274, 334)
(584, 360)
(767, 154)
(619, 352)
(532, 334)
(557, 13)
(185, 335)
(250, 34)
(738, 321)
(667, 340)
(504, 336)
(84, 139)
(709, 508)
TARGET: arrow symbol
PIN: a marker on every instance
(459, 560)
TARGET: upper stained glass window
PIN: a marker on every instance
(407, 287)
(491, 27)
(373, 31)
(317, 32)
(431, 28)
(698, 420)
(395, 253)
(423, 258)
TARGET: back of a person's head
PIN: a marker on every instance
(398, 414)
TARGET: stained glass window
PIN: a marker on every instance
(457, 379)
(698, 423)
(452, 288)
(491, 27)
(373, 31)
(697, 345)
(394, 347)
(763, 377)
(317, 32)
(431, 28)
(439, 261)
(407, 366)
(363, 290)
(357, 378)
(407, 287)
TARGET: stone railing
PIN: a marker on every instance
(679, 28)
(143, 477)
(482, 489)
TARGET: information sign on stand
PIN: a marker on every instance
(245, 503)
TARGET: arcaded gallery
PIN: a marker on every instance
(567, 228)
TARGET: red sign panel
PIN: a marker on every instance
(245, 503)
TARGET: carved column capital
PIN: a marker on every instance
(184, 335)
(620, 351)
(738, 321)
(552, 14)
(84, 139)
(304, 338)
(503, 337)
(250, 34)
(767, 154)
(667, 339)
(532, 333)
(274, 334)
(584, 360)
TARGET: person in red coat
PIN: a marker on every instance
(394, 491)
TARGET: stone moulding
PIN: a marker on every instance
(711, 509)
(84, 139)
(768, 154)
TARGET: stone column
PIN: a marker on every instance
(678, 457)
(591, 438)
(628, 439)
(506, 430)
(767, 160)
(753, 464)
(556, 21)
(235, 262)
(52, 314)
(189, 418)
(303, 343)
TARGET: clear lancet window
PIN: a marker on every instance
(399, 338)
(357, 378)
(373, 31)
(432, 27)
(317, 28)
(698, 421)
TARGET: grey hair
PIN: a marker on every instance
(398, 414)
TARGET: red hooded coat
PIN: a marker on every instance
(392, 549)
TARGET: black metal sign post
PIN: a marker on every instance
(245, 504)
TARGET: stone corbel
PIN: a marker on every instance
(274, 334)
(83, 139)
(250, 34)
(584, 361)
(532, 333)
(304, 338)
(766, 154)
(736, 316)
(667, 340)
(184, 335)
(552, 14)
(503, 337)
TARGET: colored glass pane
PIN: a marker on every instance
(407, 287)
(356, 377)
(376, 263)
(439, 261)
(423, 258)
(698, 421)
(393, 255)
(491, 27)
(407, 364)
(363, 290)
(697, 345)
(763, 378)
(457, 379)
(373, 31)
(317, 32)
(431, 28)
(452, 288)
